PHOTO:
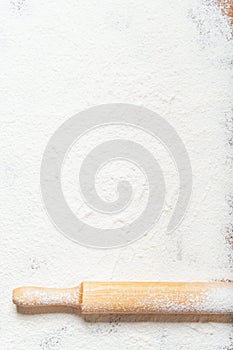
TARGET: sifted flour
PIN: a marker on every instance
(61, 57)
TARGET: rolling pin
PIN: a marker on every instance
(133, 297)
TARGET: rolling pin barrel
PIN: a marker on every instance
(157, 298)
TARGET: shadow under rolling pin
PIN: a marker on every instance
(192, 298)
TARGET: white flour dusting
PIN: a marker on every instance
(220, 299)
(45, 297)
(61, 57)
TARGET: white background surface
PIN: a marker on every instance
(60, 57)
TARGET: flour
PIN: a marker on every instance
(31, 297)
(215, 301)
(61, 57)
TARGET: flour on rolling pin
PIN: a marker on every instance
(134, 297)
(36, 296)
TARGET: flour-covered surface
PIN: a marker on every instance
(61, 57)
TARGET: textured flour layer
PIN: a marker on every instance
(61, 57)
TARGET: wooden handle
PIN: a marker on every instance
(37, 296)
(134, 297)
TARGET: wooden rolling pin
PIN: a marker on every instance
(133, 297)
